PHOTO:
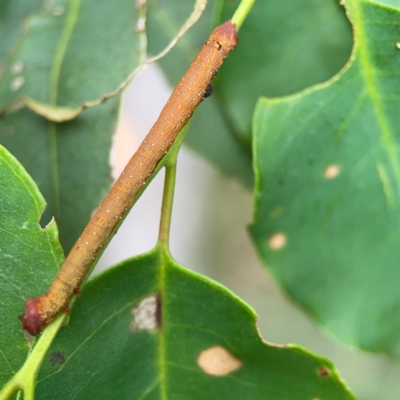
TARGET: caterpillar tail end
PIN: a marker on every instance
(32, 321)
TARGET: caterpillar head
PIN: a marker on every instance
(226, 35)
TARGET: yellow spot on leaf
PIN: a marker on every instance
(277, 241)
(217, 361)
(276, 212)
(332, 171)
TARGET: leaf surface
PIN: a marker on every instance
(12, 17)
(283, 47)
(29, 257)
(72, 52)
(68, 161)
(102, 354)
(327, 195)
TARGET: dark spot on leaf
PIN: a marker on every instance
(159, 311)
(57, 358)
(323, 371)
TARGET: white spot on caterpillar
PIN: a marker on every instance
(17, 67)
(17, 83)
(332, 171)
(397, 45)
(217, 361)
(145, 315)
(277, 241)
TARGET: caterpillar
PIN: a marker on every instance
(190, 91)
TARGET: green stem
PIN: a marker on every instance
(241, 13)
(169, 161)
(166, 210)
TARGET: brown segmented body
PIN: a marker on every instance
(41, 310)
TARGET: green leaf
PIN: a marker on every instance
(269, 60)
(68, 161)
(72, 54)
(12, 17)
(284, 47)
(393, 3)
(327, 194)
(106, 353)
(29, 257)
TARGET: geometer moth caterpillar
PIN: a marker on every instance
(189, 92)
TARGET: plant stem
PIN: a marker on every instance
(167, 202)
(169, 162)
(241, 13)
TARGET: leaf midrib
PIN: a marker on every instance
(370, 79)
(59, 55)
